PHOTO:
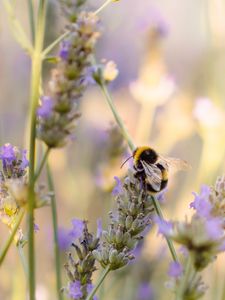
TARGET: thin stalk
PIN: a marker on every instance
(31, 19)
(223, 292)
(184, 279)
(101, 279)
(11, 237)
(55, 43)
(35, 83)
(169, 242)
(132, 148)
(23, 259)
(44, 159)
(106, 3)
(117, 117)
(55, 230)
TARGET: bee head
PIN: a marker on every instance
(146, 154)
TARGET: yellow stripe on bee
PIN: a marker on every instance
(139, 151)
(164, 174)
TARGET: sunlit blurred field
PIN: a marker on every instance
(170, 93)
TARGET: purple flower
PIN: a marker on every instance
(201, 203)
(214, 228)
(36, 228)
(99, 228)
(164, 227)
(89, 289)
(7, 154)
(45, 110)
(64, 239)
(90, 73)
(75, 290)
(183, 250)
(145, 292)
(77, 230)
(118, 189)
(64, 50)
(25, 162)
(175, 269)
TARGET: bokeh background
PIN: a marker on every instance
(170, 93)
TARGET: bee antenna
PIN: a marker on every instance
(126, 161)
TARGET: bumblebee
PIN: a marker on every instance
(152, 169)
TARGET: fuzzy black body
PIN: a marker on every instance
(150, 157)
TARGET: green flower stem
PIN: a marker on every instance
(23, 259)
(101, 279)
(55, 230)
(117, 117)
(223, 292)
(106, 3)
(17, 29)
(55, 43)
(44, 159)
(132, 148)
(11, 237)
(31, 19)
(35, 83)
(184, 279)
(169, 242)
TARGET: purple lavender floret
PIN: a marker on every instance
(75, 290)
(164, 227)
(145, 292)
(201, 202)
(77, 230)
(64, 239)
(67, 236)
(64, 50)
(214, 228)
(175, 269)
(14, 161)
(7, 154)
(118, 189)
(46, 108)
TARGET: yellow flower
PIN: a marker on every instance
(110, 71)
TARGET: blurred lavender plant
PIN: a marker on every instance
(58, 111)
(203, 238)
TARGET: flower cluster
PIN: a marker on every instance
(80, 270)
(13, 182)
(128, 223)
(58, 110)
(202, 237)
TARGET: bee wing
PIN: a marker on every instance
(176, 163)
(153, 175)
